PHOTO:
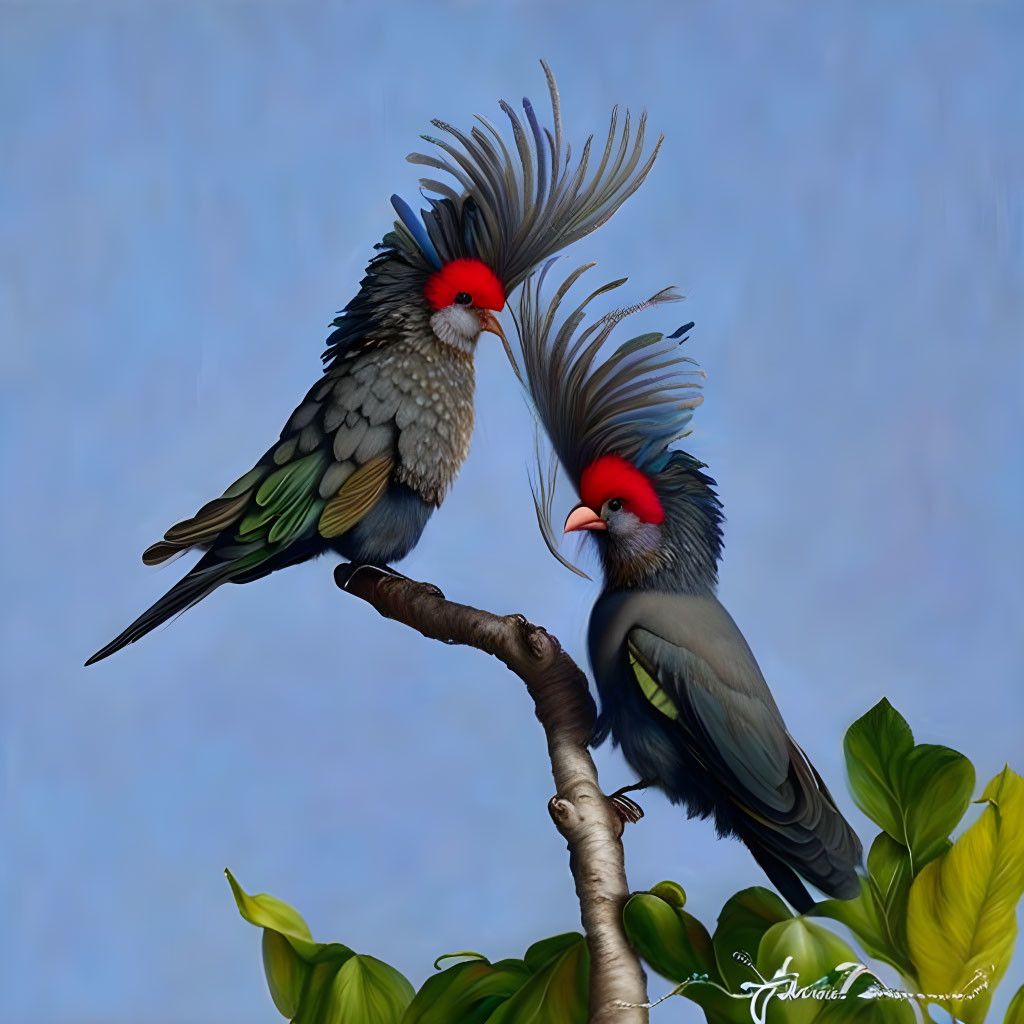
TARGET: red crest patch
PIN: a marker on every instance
(612, 476)
(473, 277)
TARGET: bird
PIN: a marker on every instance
(680, 691)
(376, 443)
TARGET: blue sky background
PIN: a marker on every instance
(188, 192)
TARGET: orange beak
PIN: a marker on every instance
(489, 325)
(583, 518)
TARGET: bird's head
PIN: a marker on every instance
(621, 507)
(653, 515)
(465, 295)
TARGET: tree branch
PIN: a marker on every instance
(580, 811)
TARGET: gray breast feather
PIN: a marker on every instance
(405, 397)
(348, 436)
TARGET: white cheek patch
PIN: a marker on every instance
(457, 326)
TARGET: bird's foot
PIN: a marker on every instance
(436, 591)
(629, 811)
(388, 571)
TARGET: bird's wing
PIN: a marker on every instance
(332, 463)
(729, 723)
(330, 467)
(730, 727)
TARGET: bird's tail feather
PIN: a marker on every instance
(208, 574)
(784, 878)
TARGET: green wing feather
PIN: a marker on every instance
(284, 501)
(270, 517)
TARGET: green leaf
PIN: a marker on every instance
(467, 993)
(741, 925)
(541, 953)
(677, 946)
(1015, 1011)
(865, 918)
(917, 794)
(331, 952)
(860, 1006)
(286, 972)
(315, 996)
(367, 991)
(962, 911)
(316, 982)
(813, 953)
(890, 877)
(673, 942)
(875, 745)
(555, 993)
(470, 954)
(935, 788)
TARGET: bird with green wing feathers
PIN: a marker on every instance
(374, 446)
(680, 690)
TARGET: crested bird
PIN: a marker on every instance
(680, 691)
(374, 446)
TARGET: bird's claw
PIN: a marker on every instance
(435, 591)
(628, 811)
(354, 569)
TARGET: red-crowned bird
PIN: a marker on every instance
(377, 441)
(680, 690)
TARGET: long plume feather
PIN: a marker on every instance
(635, 403)
(528, 201)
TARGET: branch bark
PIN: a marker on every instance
(581, 812)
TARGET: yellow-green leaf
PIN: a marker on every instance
(812, 953)
(962, 911)
(266, 911)
(286, 972)
(671, 892)
(741, 925)
(367, 991)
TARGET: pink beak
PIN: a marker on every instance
(583, 518)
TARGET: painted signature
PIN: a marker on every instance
(785, 985)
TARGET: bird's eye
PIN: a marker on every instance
(614, 505)
(464, 299)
